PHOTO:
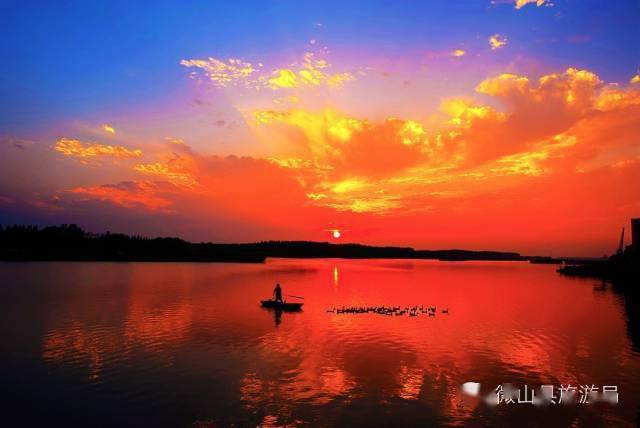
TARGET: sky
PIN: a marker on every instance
(499, 125)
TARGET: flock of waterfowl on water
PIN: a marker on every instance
(398, 311)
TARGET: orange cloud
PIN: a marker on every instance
(168, 172)
(310, 72)
(503, 84)
(223, 73)
(463, 112)
(613, 97)
(440, 54)
(108, 128)
(519, 4)
(343, 146)
(179, 167)
(519, 145)
(284, 79)
(497, 41)
(78, 149)
(126, 194)
(205, 188)
(330, 160)
(542, 108)
(355, 165)
(575, 88)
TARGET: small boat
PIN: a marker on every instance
(285, 306)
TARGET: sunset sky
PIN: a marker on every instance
(478, 124)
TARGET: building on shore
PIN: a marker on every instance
(623, 267)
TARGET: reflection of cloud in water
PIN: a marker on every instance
(150, 326)
(312, 385)
(410, 381)
(78, 346)
(92, 344)
(159, 312)
(153, 322)
(292, 371)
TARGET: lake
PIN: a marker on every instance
(187, 344)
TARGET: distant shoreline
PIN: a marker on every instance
(71, 243)
(213, 261)
(8, 256)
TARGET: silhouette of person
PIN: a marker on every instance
(277, 293)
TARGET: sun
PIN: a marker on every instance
(336, 233)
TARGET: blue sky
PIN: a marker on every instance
(69, 59)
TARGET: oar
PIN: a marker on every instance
(297, 297)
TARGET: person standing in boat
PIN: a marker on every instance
(277, 293)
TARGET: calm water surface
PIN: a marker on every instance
(148, 344)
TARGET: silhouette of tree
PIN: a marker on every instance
(70, 242)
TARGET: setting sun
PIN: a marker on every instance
(336, 234)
